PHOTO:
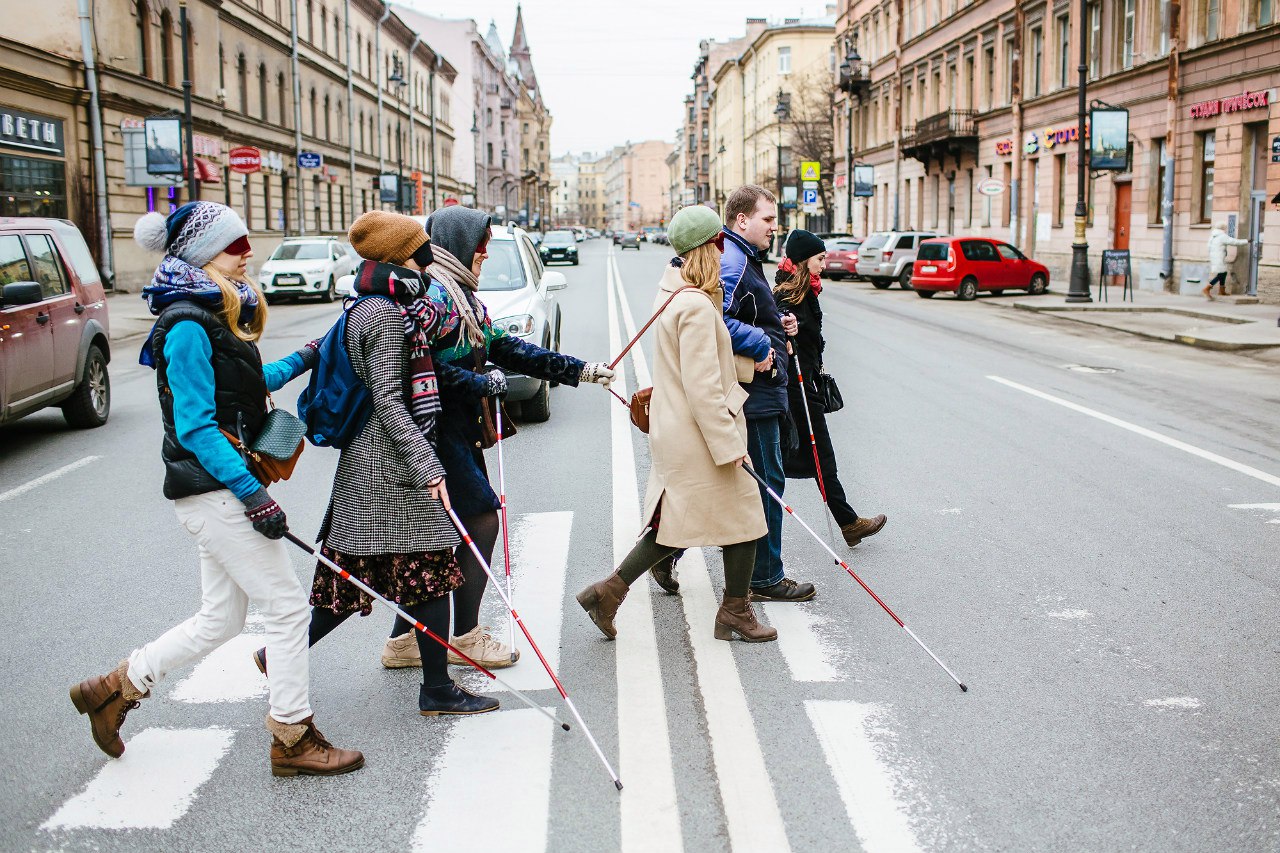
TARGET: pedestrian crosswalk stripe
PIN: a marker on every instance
(865, 781)
(226, 675)
(151, 786)
(517, 744)
(808, 657)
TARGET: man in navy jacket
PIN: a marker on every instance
(758, 330)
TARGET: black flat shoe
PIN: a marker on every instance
(452, 700)
(260, 660)
(784, 590)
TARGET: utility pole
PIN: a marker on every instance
(1079, 287)
(297, 122)
(186, 101)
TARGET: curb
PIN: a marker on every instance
(1177, 338)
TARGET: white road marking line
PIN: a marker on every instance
(1265, 507)
(151, 786)
(1178, 702)
(1070, 614)
(519, 742)
(650, 817)
(752, 816)
(808, 657)
(750, 807)
(46, 478)
(539, 557)
(1239, 467)
(226, 675)
(866, 783)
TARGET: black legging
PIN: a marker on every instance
(466, 598)
(739, 560)
(434, 614)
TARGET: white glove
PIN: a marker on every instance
(597, 371)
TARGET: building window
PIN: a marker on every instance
(324, 29)
(1266, 12)
(1126, 47)
(989, 65)
(1064, 52)
(282, 94)
(30, 187)
(266, 201)
(361, 123)
(166, 47)
(359, 49)
(1008, 71)
(784, 60)
(328, 133)
(337, 36)
(242, 83)
(1158, 185)
(1060, 189)
(1162, 27)
(489, 151)
(1037, 60)
(315, 131)
(262, 92)
(311, 19)
(1208, 148)
(144, 38)
(1093, 12)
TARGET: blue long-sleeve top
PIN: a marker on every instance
(190, 377)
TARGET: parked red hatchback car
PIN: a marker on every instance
(842, 258)
(53, 323)
(966, 265)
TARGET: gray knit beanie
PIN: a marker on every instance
(197, 232)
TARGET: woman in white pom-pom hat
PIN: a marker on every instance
(210, 377)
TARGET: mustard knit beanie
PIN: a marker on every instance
(388, 238)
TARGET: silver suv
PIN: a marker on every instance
(888, 256)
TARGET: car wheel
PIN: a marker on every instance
(271, 300)
(90, 404)
(1038, 285)
(925, 294)
(575, 262)
(904, 279)
(881, 284)
(537, 409)
(968, 289)
(329, 292)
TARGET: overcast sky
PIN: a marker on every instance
(613, 71)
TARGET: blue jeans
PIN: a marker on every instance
(764, 446)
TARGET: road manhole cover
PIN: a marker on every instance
(1084, 368)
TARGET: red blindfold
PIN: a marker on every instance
(239, 247)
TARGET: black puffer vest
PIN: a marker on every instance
(240, 396)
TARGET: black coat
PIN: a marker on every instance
(808, 345)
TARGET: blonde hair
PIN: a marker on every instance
(702, 267)
(230, 312)
(795, 288)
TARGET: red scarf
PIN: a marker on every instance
(815, 280)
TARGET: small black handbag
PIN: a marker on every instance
(828, 393)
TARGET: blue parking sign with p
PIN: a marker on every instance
(810, 197)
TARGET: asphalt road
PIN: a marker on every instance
(1094, 553)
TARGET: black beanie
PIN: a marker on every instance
(423, 256)
(803, 245)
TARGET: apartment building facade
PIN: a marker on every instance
(967, 112)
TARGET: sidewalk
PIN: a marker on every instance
(1194, 321)
(130, 317)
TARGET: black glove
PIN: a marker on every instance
(497, 383)
(310, 355)
(267, 516)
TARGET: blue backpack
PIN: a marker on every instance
(336, 404)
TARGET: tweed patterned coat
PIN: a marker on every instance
(380, 503)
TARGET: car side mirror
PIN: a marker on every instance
(552, 280)
(25, 293)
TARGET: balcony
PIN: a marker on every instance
(855, 78)
(948, 133)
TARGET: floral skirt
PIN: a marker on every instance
(404, 579)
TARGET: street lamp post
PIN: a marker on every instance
(854, 85)
(186, 101)
(720, 177)
(1079, 285)
(782, 111)
(397, 78)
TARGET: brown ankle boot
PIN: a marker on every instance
(735, 616)
(665, 575)
(107, 699)
(298, 749)
(602, 600)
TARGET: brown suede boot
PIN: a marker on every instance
(735, 616)
(298, 749)
(107, 699)
(602, 600)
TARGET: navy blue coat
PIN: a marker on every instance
(755, 325)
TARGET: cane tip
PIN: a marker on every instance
(963, 688)
(617, 783)
(564, 726)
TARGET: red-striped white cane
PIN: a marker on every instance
(813, 442)
(365, 588)
(852, 574)
(564, 694)
(506, 541)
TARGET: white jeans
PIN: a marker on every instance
(237, 565)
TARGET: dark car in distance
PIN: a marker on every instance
(559, 246)
(630, 240)
(966, 265)
(842, 258)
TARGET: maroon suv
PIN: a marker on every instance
(53, 323)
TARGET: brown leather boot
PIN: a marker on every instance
(664, 574)
(298, 749)
(107, 699)
(862, 528)
(601, 601)
(735, 616)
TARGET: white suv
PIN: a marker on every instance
(305, 266)
(888, 256)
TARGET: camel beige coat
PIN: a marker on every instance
(696, 426)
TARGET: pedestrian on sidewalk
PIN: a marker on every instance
(387, 521)
(466, 342)
(210, 377)
(698, 493)
(1219, 240)
(798, 284)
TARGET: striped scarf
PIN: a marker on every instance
(407, 289)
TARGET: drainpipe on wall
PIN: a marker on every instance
(435, 181)
(1015, 98)
(377, 61)
(1170, 135)
(297, 120)
(351, 113)
(897, 120)
(99, 157)
(413, 122)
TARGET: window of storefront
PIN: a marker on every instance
(1059, 190)
(1157, 185)
(266, 201)
(1208, 153)
(30, 187)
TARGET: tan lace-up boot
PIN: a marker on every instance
(479, 645)
(298, 749)
(107, 699)
(401, 652)
(736, 616)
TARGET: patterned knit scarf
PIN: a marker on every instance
(449, 271)
(406, 288)
(175, 280)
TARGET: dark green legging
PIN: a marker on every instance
(739, 560)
